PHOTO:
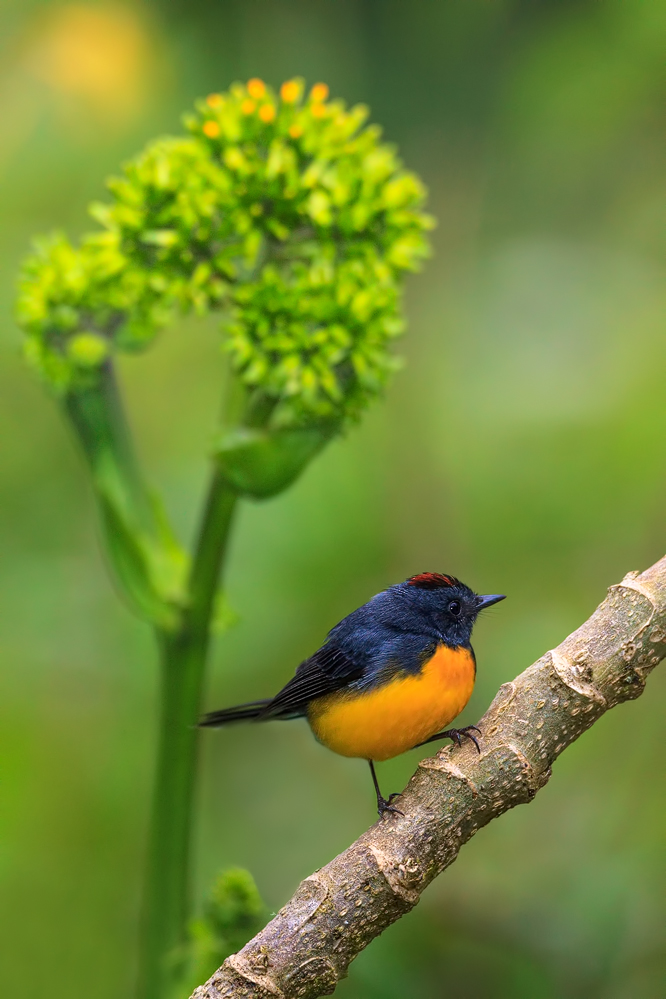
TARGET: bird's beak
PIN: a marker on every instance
(489, 600)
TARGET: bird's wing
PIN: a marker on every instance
(327, 670)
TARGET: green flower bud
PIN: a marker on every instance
(87, 350)
(284, 210)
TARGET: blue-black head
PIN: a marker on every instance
(451, 606)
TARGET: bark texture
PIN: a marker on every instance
(305, 950)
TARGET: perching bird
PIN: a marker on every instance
(389, 677)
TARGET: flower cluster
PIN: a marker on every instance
(284, 210)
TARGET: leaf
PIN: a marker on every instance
(262, 463)
(148, 563)
(129, 558)
(170, 562)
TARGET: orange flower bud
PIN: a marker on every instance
(215, 100)
(211, 129)
(267, 112)
(318, 111)
(248, 106)
(289, 91)
(295, 131)
(319, 92)
(256, 88)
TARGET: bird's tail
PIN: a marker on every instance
(241, 712)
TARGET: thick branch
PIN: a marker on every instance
(336, 912)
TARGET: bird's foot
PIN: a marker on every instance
(386, 804)
(458, 734)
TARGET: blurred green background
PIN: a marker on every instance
(522, 448)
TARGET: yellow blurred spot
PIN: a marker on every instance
(319, 110)
(95, 53)
(267, 112)
(215, 100)
(256, 88)
(234, 158)
(319, 92)
(248, 106)
(87, 350)
(295, 131)
(289, 91)
(211, 129)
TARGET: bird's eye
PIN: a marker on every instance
(455, 608)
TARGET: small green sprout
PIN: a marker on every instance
(233, 913)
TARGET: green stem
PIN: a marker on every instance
(98, 417)
(183, 661)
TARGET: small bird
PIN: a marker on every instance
(389, 677)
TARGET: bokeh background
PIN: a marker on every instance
(523, 448)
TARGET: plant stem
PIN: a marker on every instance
(98, 417)
(183, 656)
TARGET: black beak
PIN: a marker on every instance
(489, 600)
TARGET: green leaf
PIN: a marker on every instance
(169, 562)
(149, 565)
(128, 551)
(262, 463)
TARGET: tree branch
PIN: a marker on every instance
(304, 951)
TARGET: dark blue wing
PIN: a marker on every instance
(329, 669)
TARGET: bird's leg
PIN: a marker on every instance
(457, 735)
(383, 804)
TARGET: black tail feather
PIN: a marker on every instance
(241, 712)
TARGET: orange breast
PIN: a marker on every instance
(384, 722)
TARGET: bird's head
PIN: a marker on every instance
(448, 602)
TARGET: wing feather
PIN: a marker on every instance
(329, 669)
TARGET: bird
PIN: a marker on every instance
(389, 677)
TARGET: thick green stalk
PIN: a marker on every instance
(98, 417)
(183, 660)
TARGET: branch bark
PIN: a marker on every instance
(305, 950)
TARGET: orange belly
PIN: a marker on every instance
(382, 723)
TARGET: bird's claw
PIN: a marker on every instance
(385, 804)
(458, 734)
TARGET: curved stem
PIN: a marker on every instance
(99, 421)
(183, 659)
